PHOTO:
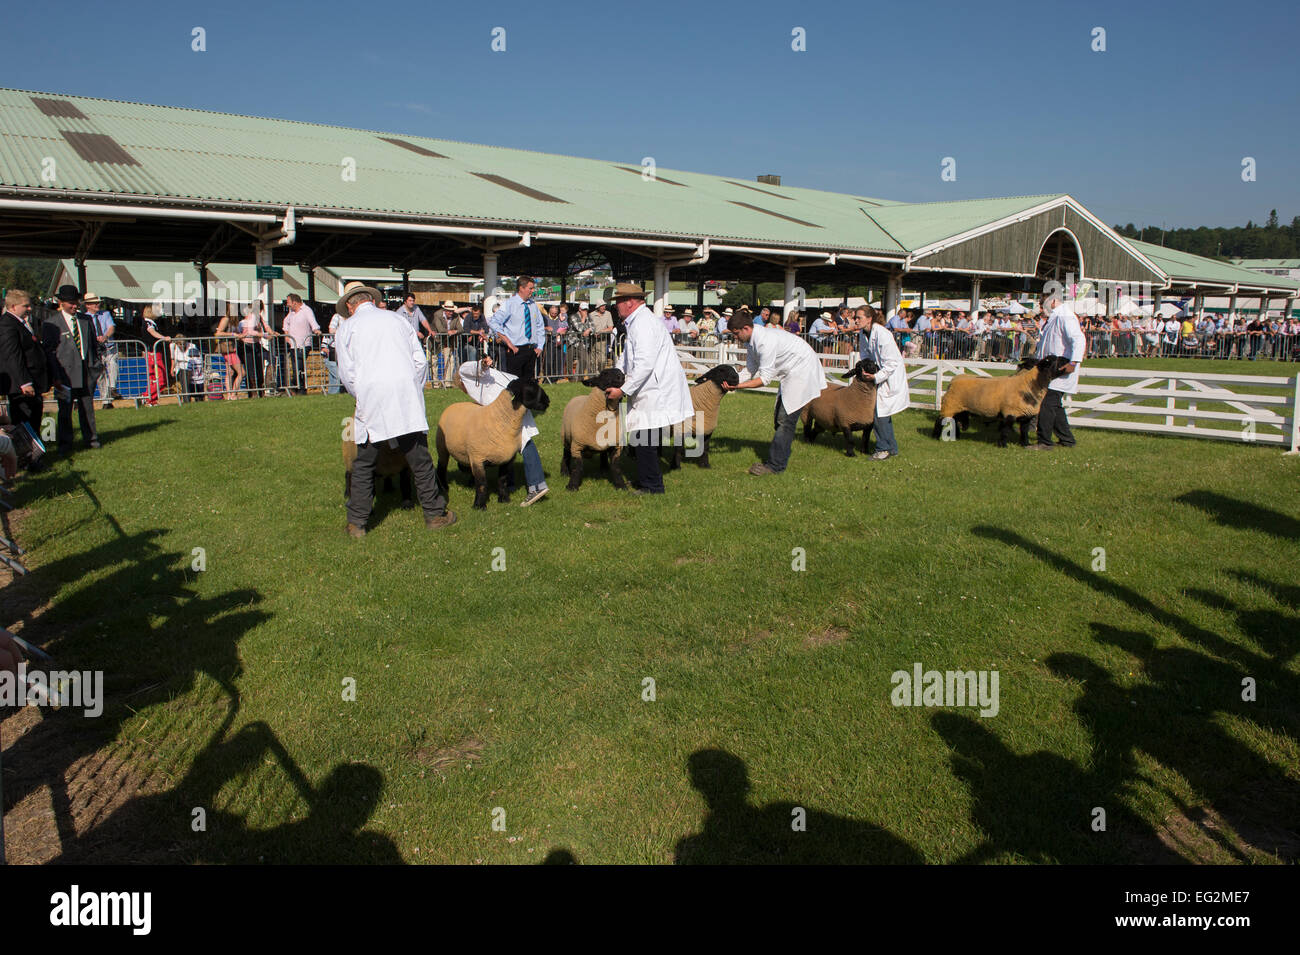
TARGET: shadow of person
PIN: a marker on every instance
(1277, 634)
(1230, 512)
(559, 857)
(1040, 806)
(736, 832)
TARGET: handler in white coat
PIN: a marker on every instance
(484, 383)
(1061, 335)
(382, 365)
(892, 394)
(655, 384)
(776, 355)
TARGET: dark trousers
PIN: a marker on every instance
(522, 363)
(645, 445)
(1051, 419)
(252, 357)
(85, 402)
(415, 447)
(778, 456)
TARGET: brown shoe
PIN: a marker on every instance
(438, 523)
(761, 469)
(1040, 446)
(354, 531)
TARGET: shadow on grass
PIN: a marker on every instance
(1231, 512)
(736, 832)
(128, 607)
(1176, 717)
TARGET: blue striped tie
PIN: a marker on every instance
(528, 322)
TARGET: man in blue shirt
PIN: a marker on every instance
(520, 325)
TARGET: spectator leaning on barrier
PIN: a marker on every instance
(226, 338)
(519, 325)
(1061, 337)
(104, 329)
(299, 327)
(382, 364)
(772, 355)
(413, 315)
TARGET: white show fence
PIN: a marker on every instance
(1255, 408)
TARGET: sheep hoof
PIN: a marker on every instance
(408, 505)
(848, 453)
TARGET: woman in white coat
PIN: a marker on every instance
(483, 383)
(892, 395)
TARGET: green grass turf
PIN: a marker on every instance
(523, 690)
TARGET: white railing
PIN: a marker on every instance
(1247, 408)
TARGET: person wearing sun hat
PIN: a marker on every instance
(382, 365)
(74, 355)
(654, 384)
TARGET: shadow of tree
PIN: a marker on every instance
(734, 832)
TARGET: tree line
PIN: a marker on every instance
(1251, 241)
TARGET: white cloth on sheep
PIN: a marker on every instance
(892, 393)
(485, 384)
(655, 385)
(382, 364)
(776, 355)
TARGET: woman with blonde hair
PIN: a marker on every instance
(226, 336)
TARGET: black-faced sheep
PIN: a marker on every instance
(391, 462)
(1009, 399)
(481, 435)
(706, 397)
(844, 409)
(591, 424)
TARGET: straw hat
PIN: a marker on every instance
(90, 298)
(351, 289)
(449, 305)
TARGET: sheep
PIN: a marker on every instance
(1009, 399)
(478, 435)
(845, 409)
(706, 397)
(390, 462)
(591, 424)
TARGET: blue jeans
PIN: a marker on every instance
(778, 456)
(884, 428)
(533, 472)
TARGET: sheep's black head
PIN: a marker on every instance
(1027, 364)
(720, 375)
(609, 378)
(528, 393)
(864, 371)
(1053, 366)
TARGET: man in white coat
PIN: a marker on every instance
(776, 355)
(483, 383)
(655, 384)
(892, 393)
(382, 365)
(1060, 336)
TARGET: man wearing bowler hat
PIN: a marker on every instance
(654, 383)
(74, 355)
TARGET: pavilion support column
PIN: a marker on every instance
(490, 280)
(1263, 306)
(893, 292)
(1198, 302)
(265, 287)
(311, 284)
(81, 275)
(661, 288)
(699, 296)
(406, 282)
(974, 296)
(203, 290)
(789, 293)
(1232, 304)
(920, 300)
(1290, 306)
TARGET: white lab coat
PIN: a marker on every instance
(484, 384)
(1061, 335)
(774, 354)
(382, 364)
(892, 394)
(656, 387)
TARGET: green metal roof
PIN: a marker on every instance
(1267, 263)
(140, 282)
(917, 224)
(1186, 267)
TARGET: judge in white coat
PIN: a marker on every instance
(1060, 336)
(484, 383)
(655, 384)
(382, 365)
(892, 394)
(776, 355)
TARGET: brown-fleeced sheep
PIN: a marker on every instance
(1009, 398)
(481, 435)
(844, 408)
(706, 398)
(591, 423)
(391, 462)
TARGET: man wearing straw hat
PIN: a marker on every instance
(654, 383)
(382, 365)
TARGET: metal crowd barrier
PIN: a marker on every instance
(214, 368)
(562, 358)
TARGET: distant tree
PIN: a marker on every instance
(30, 275)
(1272, 219)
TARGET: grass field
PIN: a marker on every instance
(518, 696)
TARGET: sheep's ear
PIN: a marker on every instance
(589, 382)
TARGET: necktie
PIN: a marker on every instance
(528, 322)
(76, 333)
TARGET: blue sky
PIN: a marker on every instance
(1151, 131)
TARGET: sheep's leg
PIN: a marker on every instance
(565, 458)
(575, 472)
(480, 484)
(963, 420)
(848, 440)
(408, 491)
(1024, 430)
(810, 430)
(938, 427)
(347, 485)
(443, 455)
(616, 472)
(1004, 429)
(678, 454)
(504, 473)
(866, 433)
(704, 458)
(604, 460)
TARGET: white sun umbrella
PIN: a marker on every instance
(1129, 308)
(1168, 310)
(1014, 308)
(1085, 306)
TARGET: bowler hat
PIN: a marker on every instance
(69, 293)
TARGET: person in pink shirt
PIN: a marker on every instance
(299, 327)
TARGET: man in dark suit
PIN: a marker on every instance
(74, 355)
(24, 374)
